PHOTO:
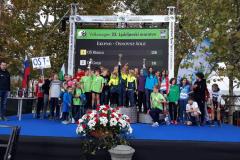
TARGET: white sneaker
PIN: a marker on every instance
(64, 122)
(155, 124)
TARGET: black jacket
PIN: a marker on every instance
(200, 90)
(106, 80)
(4, 80)
(46, 87)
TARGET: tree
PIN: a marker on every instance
(219, 21)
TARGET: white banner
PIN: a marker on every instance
(200, 63)
(171, 47)
(41, 62)
(71, 51)
(118, 19)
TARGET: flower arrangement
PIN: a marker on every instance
(105, 123)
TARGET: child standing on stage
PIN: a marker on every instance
(131, 87)
(141, 80)
(122, 85)
(60, 99)
(151, 80)
(156, 100)
(96, 87)
(113, 83)
(215, 97)
(39, 95)
(104, 94)
(193, 112)
(67, 103)
(78, 109)
(54, 91)
(86, 86)
(164, 83)
(185, 89)
(172, 98)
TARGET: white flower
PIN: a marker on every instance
(125, 117)
(84, 117)
(80, 120)
(130, 129)
(122, 122)
(91, 124)
(113, 122)
(79, 129)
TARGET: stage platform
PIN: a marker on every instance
(35, 127)
(50, 140)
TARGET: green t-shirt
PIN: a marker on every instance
(97, 84)
(86, 80)
(77, 101)
(156, 98)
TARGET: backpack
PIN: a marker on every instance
(83, 97)
(61, 96)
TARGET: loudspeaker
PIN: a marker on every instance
(63, 25)
(10, 146)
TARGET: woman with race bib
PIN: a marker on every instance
(184, 89)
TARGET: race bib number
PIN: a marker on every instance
(163, 86)
(183, 95)
(85, 80)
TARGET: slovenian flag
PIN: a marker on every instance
(26, 72)
(62, 72)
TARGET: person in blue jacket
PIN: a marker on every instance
(67, 103)
(122, 85)
(184, 89)
(151, 80)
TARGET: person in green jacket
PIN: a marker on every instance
(172, 99)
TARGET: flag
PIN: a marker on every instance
(26, 72)
(62, 72)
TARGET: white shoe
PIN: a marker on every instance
(64, 122)
(155, 124)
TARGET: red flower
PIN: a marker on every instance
(88, 116)
(105, 115)
(113, 111)
(83, 126)
(89, 112)
(98, 105)
(107, 106)
(95, 115)
(105, 109)
(117, 108)
(101, 114)
(98, 109)
(128, 120)
(112, 116)
(77, 122)
(117, 119)
(119, 115)
(96, 120)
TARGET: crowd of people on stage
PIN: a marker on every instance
(126, 87)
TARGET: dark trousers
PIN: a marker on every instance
(89, 100)
(142, 101)
(122, 95)
(182, 106)
(104, 97)
(39, 105)
(201, 105)
(77, 112)
(173, 107)
(148, 93)
(127, 99)
(131, 97)
(54, 103)
(3, 95)
(64, 116)
(154, 113)
(114, 98)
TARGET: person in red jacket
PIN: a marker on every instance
(206, 112)
(39, 95)
(79, 75)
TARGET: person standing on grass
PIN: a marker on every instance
(86, 86)
(67, 103)
(156, 100)
(151, 80)
(193, 112)
(46, 88)
(4, 89)
(78, 109)
(104, 94)
(215, 97)
(96, 87)
(199, 88)
(141, 80)
(172, 99)
(185, 89)
(39, 95)
(54, 91)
